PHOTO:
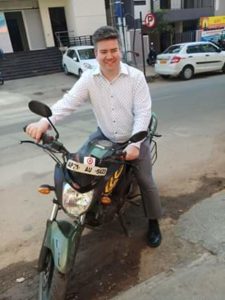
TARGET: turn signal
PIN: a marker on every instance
(105, 200)
(45, 189)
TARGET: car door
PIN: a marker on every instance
(196, 57)
(214, 57)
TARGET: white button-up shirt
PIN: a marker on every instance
(122, 107)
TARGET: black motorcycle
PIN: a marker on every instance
(92, 187)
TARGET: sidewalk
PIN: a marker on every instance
(203, 278)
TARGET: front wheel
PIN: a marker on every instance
(53, 284)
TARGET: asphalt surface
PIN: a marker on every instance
(203, 225)
(203, 278)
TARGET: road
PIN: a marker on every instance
(191, 154)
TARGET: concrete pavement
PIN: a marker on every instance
(203, 278)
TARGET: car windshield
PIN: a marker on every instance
(173, 49)
(86, 53)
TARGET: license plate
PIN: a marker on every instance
(86, 169)
(163, 61)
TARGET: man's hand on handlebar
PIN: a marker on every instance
(132, 152)
(37, 129)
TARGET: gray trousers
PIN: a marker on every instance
(143, 175)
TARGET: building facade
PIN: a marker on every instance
(32, 24)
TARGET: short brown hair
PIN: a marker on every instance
(105, 33)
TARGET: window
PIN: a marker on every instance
(86, 54)
(139, 2)
(173, 49)
(165, 4)
(208, 48)
(70, 53)
(194, 49)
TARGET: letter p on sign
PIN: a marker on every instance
(149, 20)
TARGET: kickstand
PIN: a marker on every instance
(123, 225)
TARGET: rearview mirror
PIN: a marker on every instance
(40, 109)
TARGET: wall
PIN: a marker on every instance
(35, 35)
(219, 7)
(82, 18)
(143, 8)
(175, 4)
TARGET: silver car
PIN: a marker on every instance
(187, 59)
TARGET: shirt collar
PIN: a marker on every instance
(123, 70)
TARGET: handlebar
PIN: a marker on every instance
(45, 138)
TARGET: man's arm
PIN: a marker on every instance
(62, 108)
(142, 114)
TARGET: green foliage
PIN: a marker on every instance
(161, 24)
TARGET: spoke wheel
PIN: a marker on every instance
(53, 284)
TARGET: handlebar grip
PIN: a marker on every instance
(47, 139)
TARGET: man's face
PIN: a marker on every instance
(108, 55)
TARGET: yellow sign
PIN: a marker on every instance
(209, 23)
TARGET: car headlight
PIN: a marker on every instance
(87, 66)
(75, 203)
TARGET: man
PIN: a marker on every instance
(121, 103)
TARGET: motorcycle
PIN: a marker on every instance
(92, 187)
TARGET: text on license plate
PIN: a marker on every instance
(163, 61)
(86, 169)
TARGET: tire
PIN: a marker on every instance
(52, 283)
(187, 73)
(80, 72)
(65, 70)
(223, 68)
(165, 76)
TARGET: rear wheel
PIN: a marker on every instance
(53, 284)
(187, 73)
(223, 68)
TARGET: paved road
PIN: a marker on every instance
(191, 119)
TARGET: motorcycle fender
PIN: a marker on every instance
(61, 238)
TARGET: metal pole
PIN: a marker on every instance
(152, 6)
(142, 45)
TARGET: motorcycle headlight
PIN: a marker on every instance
(75, 203)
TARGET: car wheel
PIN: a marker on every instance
(80, 72)
(65, 70)
(223, 68)
(165, 76)
(187, 73)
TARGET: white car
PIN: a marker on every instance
(187, 59)
(77, 59)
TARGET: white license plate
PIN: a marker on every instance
(86, 169)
